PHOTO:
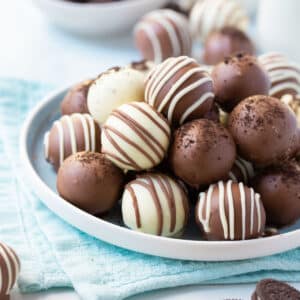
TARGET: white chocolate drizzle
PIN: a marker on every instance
(89, 134)
(248, 217)
(176, 27)
(246, 169)
(163, 73)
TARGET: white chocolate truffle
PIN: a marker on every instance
(69, 135)
(135, 136)
(9, 269)
(284, 74)
(180, 89)
(161, 34)
(114, 88)
(155, 204)
(208, 16)
(230, 211)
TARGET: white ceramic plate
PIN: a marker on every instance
(189, 247)
(95, 18)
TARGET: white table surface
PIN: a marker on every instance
(32, 49)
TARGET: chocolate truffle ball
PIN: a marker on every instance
(155, 204)
(71, 134)
(180, 89)
(90, 181)
(208, 16)
(280, 191)
(114, 88)
(242, 171)
(161, 34)
(135, 137)
(237, 78)
(75, 100)
(230, 211)
(284, 74)
(10, 270)
(202, 152)
(264, 129)
(226, 42)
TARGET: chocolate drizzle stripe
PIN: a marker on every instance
(130, 162)
(162, 128)
(128, 141)
(168, 191)
(144, 134)
(135, 206)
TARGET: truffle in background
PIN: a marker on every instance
(264, 129)
(156, 204)
(161, 34)
(238, 77)
(75, 100)
(90, 181)
(226, 42)
(202, 152)
(230, 211)
(280, 191)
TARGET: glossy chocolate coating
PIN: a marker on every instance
(226, 42)
(90, 181)
(264, 129)
(202, 152)
(237, 78)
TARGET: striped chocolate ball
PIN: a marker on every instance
(155, 204)
(9, 268)
(135, 136)
(284, 74)
(180, 89)
(69, 135)
(161, 34)
(230, 211)
(208, 16)
(242, 171)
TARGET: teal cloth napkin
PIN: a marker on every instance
(55, 254)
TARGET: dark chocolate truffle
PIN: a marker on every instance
(280, 191)
(270, 289)
(71, 134)
(237, 78)
(75, 100)
(90, 181)
(230, 211)
(203, 152)
(9, 269)
(161, 34)
(180, 89)
(264, 129)
(226, 42)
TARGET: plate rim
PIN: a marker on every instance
(53, 201)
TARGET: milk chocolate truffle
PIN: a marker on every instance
(161, 34)
(270, 289)
(180, 89)
(135, 137)
(280, 191)
(208, 16)
(10, 270)
(230, 211)
(155, 204)
(202, 152)
(237, 78)
(90, 181)
(75, 100)
(284, 74)
(226, 42)
(242, 171)
(264, 129)
(71, 134)
(114, 88)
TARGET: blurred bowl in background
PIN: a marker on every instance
(96, 18)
